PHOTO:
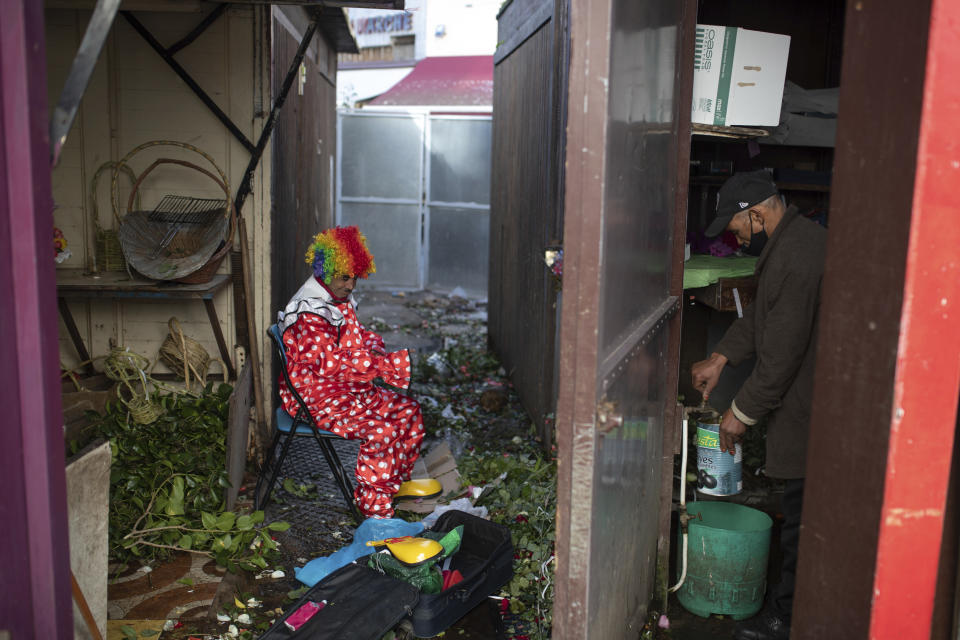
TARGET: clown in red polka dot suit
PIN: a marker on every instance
(332, 361)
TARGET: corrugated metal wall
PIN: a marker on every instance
(527, 172)
(304, 148)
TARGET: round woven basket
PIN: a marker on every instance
(163, 244)
(183, 355)
(125, 366)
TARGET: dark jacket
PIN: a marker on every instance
(780, 329)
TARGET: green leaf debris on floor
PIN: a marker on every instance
(167, 481)
(468, 401)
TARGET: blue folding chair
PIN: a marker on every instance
(288, 428)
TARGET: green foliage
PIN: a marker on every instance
(525, 500)
(298, 489)
(296, 594)
(167, 483)
(471, 362)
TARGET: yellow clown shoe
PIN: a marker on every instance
(410, 551)
(420, 488)
(415, 551)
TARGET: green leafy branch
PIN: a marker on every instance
(232, 540)
(167, 482)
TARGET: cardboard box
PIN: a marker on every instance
(738, 76)
(440, 465)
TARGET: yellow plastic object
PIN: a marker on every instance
(421, 488)
(380, 543)
(415, 551)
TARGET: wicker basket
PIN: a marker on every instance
(208, 270)
(185, 356)
(108, 255)
(183, 239)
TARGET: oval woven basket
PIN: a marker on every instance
(182, 238)
(185, 356)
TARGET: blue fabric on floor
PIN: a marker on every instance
(370, 529)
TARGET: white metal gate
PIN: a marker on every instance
(418, 186)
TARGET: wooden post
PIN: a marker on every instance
(261, 432)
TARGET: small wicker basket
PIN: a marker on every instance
(108, 255)
(184, 355)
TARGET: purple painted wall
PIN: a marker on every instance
(34, 557)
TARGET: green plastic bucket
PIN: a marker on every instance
(727, 549)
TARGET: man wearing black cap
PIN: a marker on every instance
(779, 328)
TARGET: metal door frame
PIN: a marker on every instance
(586, 366)
(428, 202)
(424, 203)
(419, 202)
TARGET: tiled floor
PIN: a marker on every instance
(162, 593)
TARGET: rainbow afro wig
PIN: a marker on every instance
(340, 250)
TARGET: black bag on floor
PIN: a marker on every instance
(363, 604)
(485, 559)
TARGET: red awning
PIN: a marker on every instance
(460, 81)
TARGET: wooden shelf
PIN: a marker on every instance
(736, 133)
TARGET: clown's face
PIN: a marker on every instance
(342, 285)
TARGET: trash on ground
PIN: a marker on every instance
(450, 415)
(370, 529)
(460, 504)
(440, 465)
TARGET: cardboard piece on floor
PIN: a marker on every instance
(440, 465)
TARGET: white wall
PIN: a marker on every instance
(361, 84)
(460, 28)
(440, 27)
(134, 97)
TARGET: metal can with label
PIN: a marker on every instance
(718, 473)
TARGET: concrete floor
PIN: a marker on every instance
(687, 626)
(405, 328)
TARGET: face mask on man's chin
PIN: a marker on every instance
(757, 242)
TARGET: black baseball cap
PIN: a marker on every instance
(741, 191)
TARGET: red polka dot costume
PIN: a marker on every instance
(332, 361)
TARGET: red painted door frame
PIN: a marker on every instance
(888, 367)
(928, 357)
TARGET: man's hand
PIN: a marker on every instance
(706, 373)
(731, 432)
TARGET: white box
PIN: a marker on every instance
(738, 76)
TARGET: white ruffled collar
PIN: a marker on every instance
(313, 298)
